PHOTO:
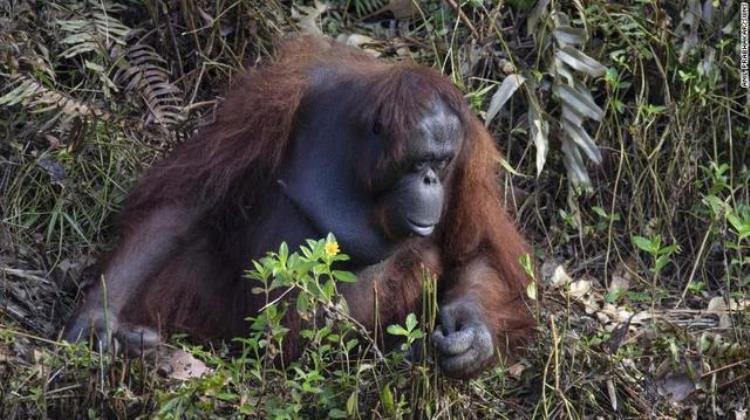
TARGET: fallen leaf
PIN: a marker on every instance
(619, 314)
(307, 16)
(740, 414)
(359, 41)
(719, 305)
(516, 370)
(618, 283)
(612, 394)
(590, 303)
(641, 317)
(675, 386)
(560, 277)
(548, 269)
(182, 366)
(355, 40)
(617, 337)
(579, 289)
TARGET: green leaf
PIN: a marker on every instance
(258, 266)
(525, 261)
(741, 226)
(643, 243)
(615, 295)
(344, 276)
(716, 205)
(303, 268)
(351, 404)
(661, 261)
(278, 281)
(225, 396)
(600, 211)
(303, 302)
(351, 344)
(318, 249)
(667, 250)
(531, 291)
(336, 413)
(306, 252)
(396, 329)
(411, 322)
(283, 253)
(704, 343)
(655, 244)
(329, 289)
(386, 397)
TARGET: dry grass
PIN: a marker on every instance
(629, 327)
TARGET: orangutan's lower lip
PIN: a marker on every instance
(421, 229)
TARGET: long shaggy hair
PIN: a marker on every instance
(238, 157)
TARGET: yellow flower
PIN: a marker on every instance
(332, 248)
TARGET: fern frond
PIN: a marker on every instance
(95, 31)
(38, 98)
(143, 72)
(366, 7)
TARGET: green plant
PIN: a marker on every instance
(338, 353)
(409, 331)
(723, 210)
(528, 268)
(660, 254)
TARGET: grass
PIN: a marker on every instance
(645, 269)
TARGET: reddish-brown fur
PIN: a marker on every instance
(235, 162)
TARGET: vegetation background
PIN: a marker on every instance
(627, 148)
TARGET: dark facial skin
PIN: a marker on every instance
(414, 204)
(326, 183)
